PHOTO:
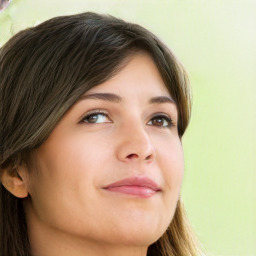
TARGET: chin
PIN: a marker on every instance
(140, 228)
(139, 235)
(135, 241)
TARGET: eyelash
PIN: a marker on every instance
(163, 116)
(96, 112)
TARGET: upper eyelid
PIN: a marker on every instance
(96, 111)
(88, 114)
(160, 114)
(93, 111)
(163, 114)
(166, 116)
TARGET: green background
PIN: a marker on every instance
(216, 41)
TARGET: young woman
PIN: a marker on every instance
(92, 114)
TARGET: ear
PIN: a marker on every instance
(14, 181)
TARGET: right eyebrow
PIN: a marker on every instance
(103, 96)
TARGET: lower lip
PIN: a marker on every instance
(138, 191)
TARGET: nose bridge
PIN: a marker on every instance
(135, 143)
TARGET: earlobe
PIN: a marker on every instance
(14, 183)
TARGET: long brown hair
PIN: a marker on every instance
(43, 72)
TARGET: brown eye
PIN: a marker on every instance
(161, 121)
(158, 121)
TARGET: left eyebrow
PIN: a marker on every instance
(117, 99)
(162, 99)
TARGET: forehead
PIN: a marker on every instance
(139, 76)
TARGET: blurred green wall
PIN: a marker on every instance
(216, 41)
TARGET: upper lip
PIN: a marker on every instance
(135, 181)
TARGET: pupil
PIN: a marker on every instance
(92, 119)
(158, 121)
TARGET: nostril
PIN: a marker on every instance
(134, 156)
(131, 156)
(148, 157)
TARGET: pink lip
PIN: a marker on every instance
(137, 186)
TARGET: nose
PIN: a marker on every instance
(135, 145)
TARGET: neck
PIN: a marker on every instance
(66, 246)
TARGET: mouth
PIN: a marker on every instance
(137, 186)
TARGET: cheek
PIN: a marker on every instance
(63, 189)
(171, 161)
(170, 158)
(70, 166)
(73, 154)
(175, 167)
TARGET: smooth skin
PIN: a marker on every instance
(100, 140)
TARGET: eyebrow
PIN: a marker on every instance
(162, 99)
(117, 99)
(103, 96)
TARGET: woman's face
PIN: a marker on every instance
(111, 170)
